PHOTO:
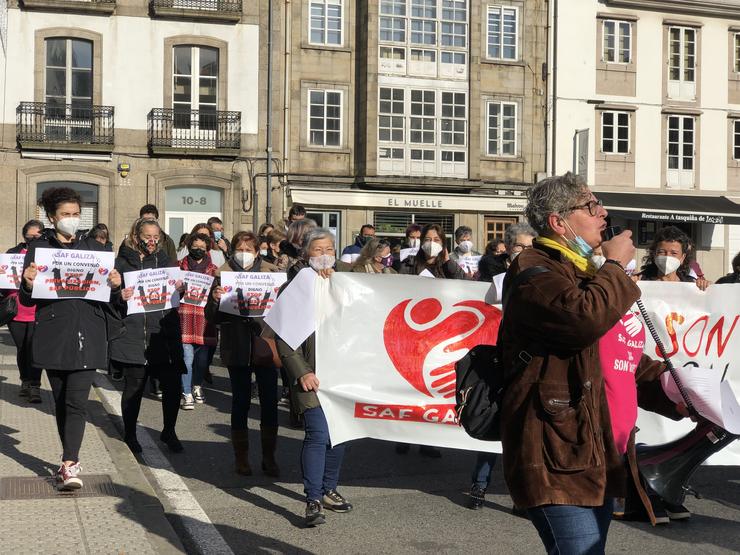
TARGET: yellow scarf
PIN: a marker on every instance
(578, 261)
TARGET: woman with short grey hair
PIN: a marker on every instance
(320, 461)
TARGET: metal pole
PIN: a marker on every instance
(268, 146)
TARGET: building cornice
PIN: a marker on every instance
(721, 8)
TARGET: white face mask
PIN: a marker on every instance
(667, 264)
(263, 252)
(68, 226)
(244, 259)
(414, 243)
(465, 246)
(323, 262)
(431, 249)
(514, 255)
(598, 260)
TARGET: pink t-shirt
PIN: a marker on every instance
(620, 351)
(25, 313)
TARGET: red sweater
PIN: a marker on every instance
(196, 330)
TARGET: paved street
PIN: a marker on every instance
(403, 504)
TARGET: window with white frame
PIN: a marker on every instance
(502, 128)
(434, 34)
(503, 32)
(615, 132)
(681, 151)
(422, 132)
(325, 25)
(617, 41)
(736, 139)
(736, 65)
(324, 118)
(682, 62)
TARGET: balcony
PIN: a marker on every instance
(229, 11)
(52, 126)
(79, 6)
(177, 132)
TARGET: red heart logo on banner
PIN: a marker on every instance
(414, 331)
(4, 267)
(227, 288)
(103, 271)
(42, 268)
(172, 281)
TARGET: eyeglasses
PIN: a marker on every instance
(592, 206)
(518, 247)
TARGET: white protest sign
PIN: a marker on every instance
(250, 294)
(72, 274)
(197, 288)
(154, 289)
(425, 273)
(469, 264)
(405, 253)
(292, 316)
(11, 270)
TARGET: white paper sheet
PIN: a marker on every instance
(469, 264)
(712, 398)
(426, 274)
(293, 316)
(154, 289)
(250, 294)
(197, 288)
(11, 270)
(405, 253)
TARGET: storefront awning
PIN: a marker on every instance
(672, 208)
(408, 201)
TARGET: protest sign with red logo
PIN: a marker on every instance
(250, 294)
(72, 274)
(386, 348)
(197, 288)
(154, 289)
(11, 270)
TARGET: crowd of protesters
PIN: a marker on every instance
(173, 349)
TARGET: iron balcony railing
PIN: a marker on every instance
(233, 7)
(48, 123)
(194, 130)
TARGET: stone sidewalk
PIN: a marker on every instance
(117, 511)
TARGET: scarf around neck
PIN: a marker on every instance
(583, 264)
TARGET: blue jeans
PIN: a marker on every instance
(320, 462)
(573, 530)
(241, 396)
(484, 463)
(196, 362)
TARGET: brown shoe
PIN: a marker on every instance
(269, 443)
(240, 441)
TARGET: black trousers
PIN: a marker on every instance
(22, 333)
(70, 389)
(134, 383)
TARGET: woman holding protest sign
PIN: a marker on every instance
(147, 343)
(21, 327)
(197, 333)
(320, 460)
(243, 352)
(71, 334)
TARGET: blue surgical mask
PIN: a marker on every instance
(217, 235)
(578, 244)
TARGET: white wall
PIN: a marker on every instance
(576, 83)
(133, 62)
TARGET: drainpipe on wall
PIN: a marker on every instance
(554, 86)
(288, 29)
(268, 145)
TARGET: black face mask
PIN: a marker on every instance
(196, 254)
(144, 245)
(29, 239)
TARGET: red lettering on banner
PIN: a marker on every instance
(672, 317)
(432, 414)
(717, 329)
(704, 319)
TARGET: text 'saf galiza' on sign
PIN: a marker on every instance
(394, 376)
(250, 294)
(11, 270)
(154, 289)
(197, 288)
(469, 264)
(72, 274)
(700, 329)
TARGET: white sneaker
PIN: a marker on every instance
(198, 394)
(69, 476)
(186, 403)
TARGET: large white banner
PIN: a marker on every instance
(72, 274)
(386, 348)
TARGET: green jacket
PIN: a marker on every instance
(297, 363)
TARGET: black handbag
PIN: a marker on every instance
(481, 378)
(8, 309)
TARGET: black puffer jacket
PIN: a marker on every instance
(236, 331)
(69, 334)
(152, 338)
